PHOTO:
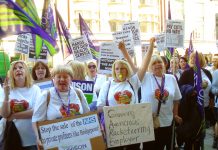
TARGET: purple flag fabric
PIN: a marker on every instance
(47, 22)
(64, 35)
(84, 30)
(13, 20)
(198, 85)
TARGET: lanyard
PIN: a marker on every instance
(161, 87)
(59, 96)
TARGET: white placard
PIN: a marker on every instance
(80, 48)
(23, 43)
(45, 84)
(128, 124)
(160, 40)
(145, 47)
(174, 33)
(70, 132)
(135, 29)
(125, 36)
(32, 53)
(108, 54)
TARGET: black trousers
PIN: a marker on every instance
(163, 137)
(128, 147)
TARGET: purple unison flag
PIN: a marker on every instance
(63, 33)
(198, 85)
(13, 20)
(47, 22)
(84, 30)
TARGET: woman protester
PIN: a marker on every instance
(40, 71)
(78, 68)
(162, 91)
(98, 79)
(92, 75)
(79, 73)
(187, 78)
(60, 101)
(121, 90)
(174, 68)
(20, 96)
(183, 64)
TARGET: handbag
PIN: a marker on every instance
(11, 139)
(156, 121)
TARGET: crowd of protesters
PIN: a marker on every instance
(173, 79)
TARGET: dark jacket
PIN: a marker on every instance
(190, 114)
(188, 78)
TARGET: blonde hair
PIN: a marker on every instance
(215, 65)
(79, 69)
(62, 69)
(201, 59)
(154, 59)
(88, 63)
(28, 77)
(126, 64)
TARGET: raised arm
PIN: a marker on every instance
(6, 111)
(127, 56)
(146, 60)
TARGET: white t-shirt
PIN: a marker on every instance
(55, 109)
(119, 92)
(207, 90)
(148, 88)
(24, 126)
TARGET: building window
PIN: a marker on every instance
(113, 26)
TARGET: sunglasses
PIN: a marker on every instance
(91, 66)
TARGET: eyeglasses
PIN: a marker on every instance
(91, 66)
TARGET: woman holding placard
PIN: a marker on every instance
(162, 91)
(19, 99)
(123, 88)
(60, 101)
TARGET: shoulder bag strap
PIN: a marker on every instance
(78, 94)
(107, 103)
(48, 97)
(133, 90)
